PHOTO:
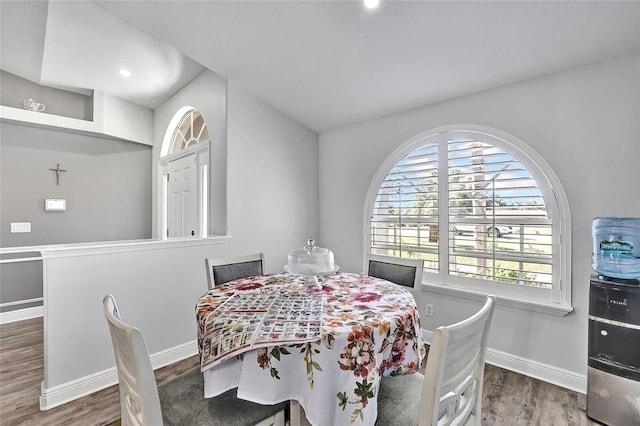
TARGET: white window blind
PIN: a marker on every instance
(405, 215)
(494, 225)
(499, 228)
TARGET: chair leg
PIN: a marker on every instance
(279, 419)
(298, 417)
(275, 420)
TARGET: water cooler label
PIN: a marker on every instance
(615, 249)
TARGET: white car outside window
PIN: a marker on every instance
(499, 230)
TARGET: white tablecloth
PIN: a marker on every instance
(370, 329)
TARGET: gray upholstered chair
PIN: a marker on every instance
(180, 401)
(450, 392)
(400, 270)
(220, 271)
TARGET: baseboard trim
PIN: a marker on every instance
(69, 391)
(61, 394)
(537, 370)
(21, 314)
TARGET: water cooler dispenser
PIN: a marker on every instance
(613, 372)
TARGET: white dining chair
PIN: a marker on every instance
(450, 391)
(142, 402)
(399, 270)
(220, 271)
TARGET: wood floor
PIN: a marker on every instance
(509, 398)
(22, 371)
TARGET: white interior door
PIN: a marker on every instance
(182, 211)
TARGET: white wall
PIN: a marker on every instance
(208, 94)
(584, 122)
(272, 185)
(156, 285)
(122, 119)
(273, 180)
(263, 168)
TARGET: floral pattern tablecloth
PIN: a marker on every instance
(370, 329)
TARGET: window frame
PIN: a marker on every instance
(556, 301)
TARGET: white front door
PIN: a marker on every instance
(182, 200)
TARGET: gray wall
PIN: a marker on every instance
(107, 187)
(20, 281)
(584, 122)
(58, 102)
(271, 178)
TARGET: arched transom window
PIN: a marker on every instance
(191, 130)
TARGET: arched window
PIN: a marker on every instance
(191, 130)
(485, 212)
(184, 171)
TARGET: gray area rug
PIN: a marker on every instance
(183, 403)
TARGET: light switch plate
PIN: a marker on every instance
(20, 227)
(55, 204)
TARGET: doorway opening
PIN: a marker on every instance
(184, 169)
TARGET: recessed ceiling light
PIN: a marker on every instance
(371, 4)
(124, 73)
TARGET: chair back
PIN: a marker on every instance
(399, 270)
(139, 400)
(220, 271)
(452, 387)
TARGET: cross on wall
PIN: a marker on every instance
(58, 170)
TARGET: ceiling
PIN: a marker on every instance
(79, 46)
(327, 64)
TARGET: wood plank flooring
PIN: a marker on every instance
(513, 399)
(509, 398)
(22, 371)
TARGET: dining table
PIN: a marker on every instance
(323, 346)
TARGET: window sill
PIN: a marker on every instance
(534, 306)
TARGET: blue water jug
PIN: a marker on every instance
(616, 246)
